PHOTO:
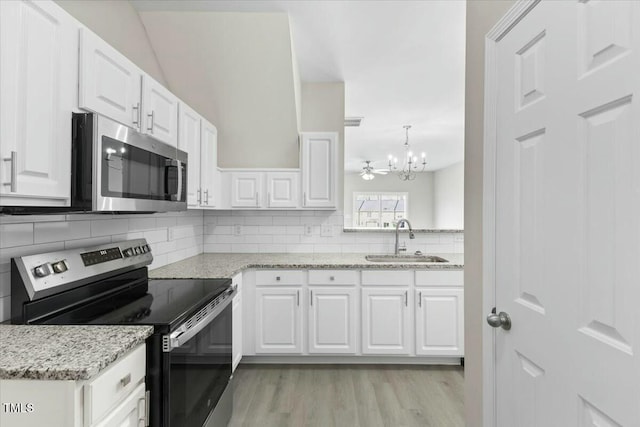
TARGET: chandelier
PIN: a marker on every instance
(410, 166)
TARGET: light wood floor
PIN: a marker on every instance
(347, 395)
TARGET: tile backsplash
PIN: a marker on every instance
(309, 231)
(175, 236)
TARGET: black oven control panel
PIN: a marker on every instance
(100, 256)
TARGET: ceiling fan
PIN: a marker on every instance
(368, 171)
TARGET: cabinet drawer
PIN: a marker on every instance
(440, 278)
(114, 384)
(387, 277)
(279, 277)
(333, 277)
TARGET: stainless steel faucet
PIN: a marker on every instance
(411, 235)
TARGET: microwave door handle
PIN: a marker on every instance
(177, 196)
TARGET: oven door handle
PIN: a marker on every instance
(183, 334)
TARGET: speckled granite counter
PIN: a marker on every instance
(53, 352)
(224, 265)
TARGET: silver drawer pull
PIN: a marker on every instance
(151, 116)
(13, 184)
(124, 381)
(278, 278)
(332, 278)
(136, 118)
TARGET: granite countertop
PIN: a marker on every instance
(227, 265)
(64, 352)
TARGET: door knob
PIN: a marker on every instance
(501, 319)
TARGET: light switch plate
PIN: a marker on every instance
(326, 230)
(237, 230)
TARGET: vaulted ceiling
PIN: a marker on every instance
(402, 63)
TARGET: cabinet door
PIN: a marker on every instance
(332, 320)
(440, 322)
(131, 412)
(209, 175)
(110, 84)
(38, 92)
(245, 189)
(160, 111)
(236, 325)
(282, 189)
(385, 321)
(319, 169)
(278, 320)
(189, 141)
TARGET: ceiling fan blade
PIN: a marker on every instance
(380, 172)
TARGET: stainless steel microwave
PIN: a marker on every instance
(117, 169)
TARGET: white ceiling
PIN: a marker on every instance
(402, 63)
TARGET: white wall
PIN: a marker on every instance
(118, 23)
(172, 236)
(421, 195)
(236, 69)
(481, 17)
(284, 231)
(448, 197)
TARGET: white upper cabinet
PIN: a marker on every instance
(38, 93)
(160, 107)
(319, 164)
(282, 189)
(110, 84)
(246, 188)
(189, 141)
(209, 175)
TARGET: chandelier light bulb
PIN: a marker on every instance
(424, 155)
(409, 168)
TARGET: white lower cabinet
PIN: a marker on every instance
(116, 397)
(332, 320)
(278, 320)
(440, 322)
(386, 321)
(387, 314)
(131, 412)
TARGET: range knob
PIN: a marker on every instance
(137, 250)
(60, 266)
(43, 270)
(128, 252)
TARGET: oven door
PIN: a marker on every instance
(136, 172)
(200, 370)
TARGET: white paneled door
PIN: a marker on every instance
(332, 320)
(567, 216)
(189, 141)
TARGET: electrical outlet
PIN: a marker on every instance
(326, 230)
(308, 230)
(170, 234)
(237, 230)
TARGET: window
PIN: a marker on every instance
(378, 210)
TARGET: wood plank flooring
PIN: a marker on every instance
(348, 395)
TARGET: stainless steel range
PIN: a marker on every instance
(188, 356)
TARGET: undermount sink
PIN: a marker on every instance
(405, 258)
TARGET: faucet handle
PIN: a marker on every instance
(403, 248)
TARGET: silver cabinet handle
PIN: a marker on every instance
(269, 198)
(257, 200)
(311, 298)
(304, 199)
(206, 197)
(124, 381)
(136, 116)
(420, 299)
(278, 278)
(332, 278)
(199, 198)
(150, 128)
(13, 184)
(298, 297)
(406, 298)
